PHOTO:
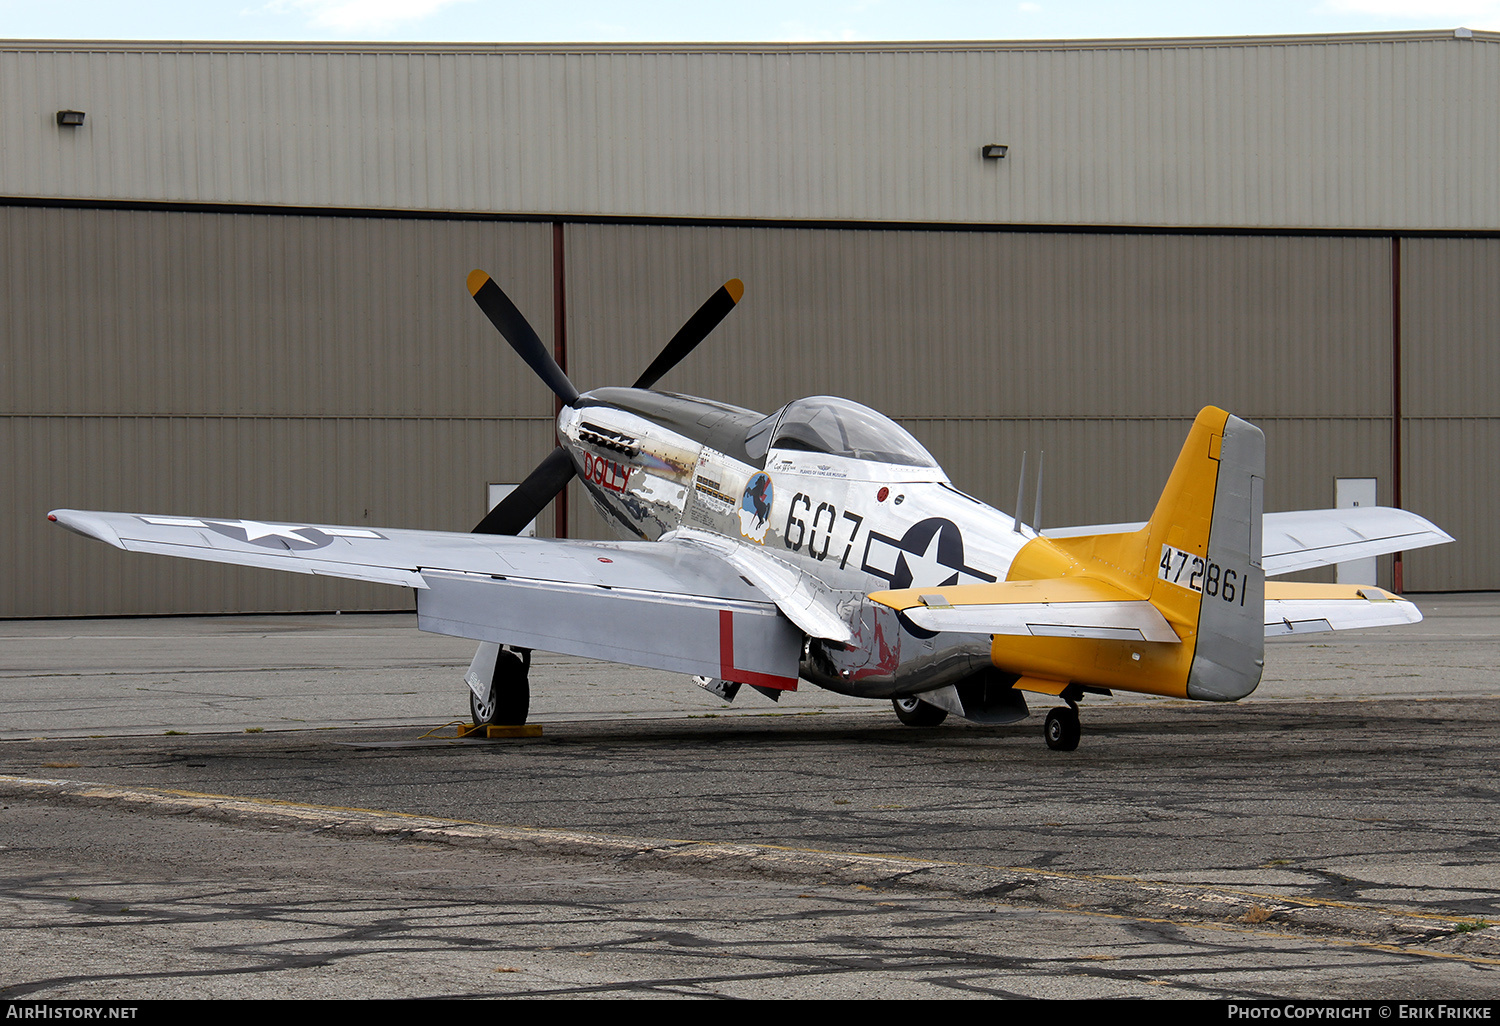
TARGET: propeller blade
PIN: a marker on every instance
(694, 331)
(522, 338)
(520, 507)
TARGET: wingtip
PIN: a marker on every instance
(477, 278)
(90, 525)
(735, 288)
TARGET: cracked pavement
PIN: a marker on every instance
(1296, 845)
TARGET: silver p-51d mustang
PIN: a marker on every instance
(823, 543)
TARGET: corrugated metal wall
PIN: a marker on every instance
(1393, 131)
(330, 370)
(335, 370)
(288, 366)
(1450, 363)
(1098, 349)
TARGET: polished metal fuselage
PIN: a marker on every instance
(658, 465)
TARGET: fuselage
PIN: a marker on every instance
(830, 487)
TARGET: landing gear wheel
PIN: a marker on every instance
(916, 713)
(510, 692)
(1062, 729)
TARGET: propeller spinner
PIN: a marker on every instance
(552, 475)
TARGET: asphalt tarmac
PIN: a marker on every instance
(258, 807)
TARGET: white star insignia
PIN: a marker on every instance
(926, 570)
(255, 530)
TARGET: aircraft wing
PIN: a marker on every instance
(1308, 538)
(801, 597)
(658, 604)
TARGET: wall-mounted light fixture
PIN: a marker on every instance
(70, 118)
(993, 151)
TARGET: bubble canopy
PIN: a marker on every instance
(837, 427)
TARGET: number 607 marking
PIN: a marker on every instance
(824, 521)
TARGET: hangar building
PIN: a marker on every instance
(237, 286)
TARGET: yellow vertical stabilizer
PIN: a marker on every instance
(1197, 561)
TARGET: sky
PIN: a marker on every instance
(699, 21)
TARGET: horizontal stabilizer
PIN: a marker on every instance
(1073, 607)
(1312, 608)
(1060, 608)
(1303, 539)
(1307, 538)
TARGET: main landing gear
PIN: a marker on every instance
(914, 712)
(1062, 729)
(509, 699)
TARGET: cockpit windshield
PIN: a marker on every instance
(827, 424)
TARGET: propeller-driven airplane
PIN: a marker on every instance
(823, 543)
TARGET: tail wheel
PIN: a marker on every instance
(1062, 729)
(916, 713)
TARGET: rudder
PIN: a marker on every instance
(1205, 536)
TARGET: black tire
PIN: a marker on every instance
(510, 692)
(1062, 729)
(916, 713)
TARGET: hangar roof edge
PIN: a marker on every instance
(905, 46)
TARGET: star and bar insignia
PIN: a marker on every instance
(266, 535)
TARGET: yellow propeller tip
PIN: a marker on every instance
(477, 278)
(735, 288)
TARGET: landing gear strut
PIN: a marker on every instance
(510, 692)
(1062, 729)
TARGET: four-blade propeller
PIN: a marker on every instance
(519, 333)
(552, 475)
